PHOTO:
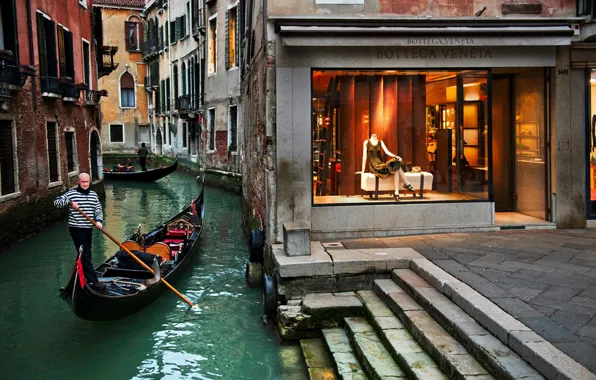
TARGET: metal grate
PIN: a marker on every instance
(70, 150)
(52, 152)
(7, 159)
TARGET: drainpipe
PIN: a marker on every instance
(270, 120)
(33, 89)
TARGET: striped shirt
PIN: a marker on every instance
(88, 203)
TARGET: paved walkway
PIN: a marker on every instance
(544, 278)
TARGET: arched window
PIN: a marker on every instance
(127, 90)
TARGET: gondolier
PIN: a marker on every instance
(81, 230)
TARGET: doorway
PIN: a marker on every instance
(519, 149)
(94, 155)
(158, 142)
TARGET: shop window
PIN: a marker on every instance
(232, 128)
(232, 37)
(127, 91)
(211, 121)
(116, 133)
(53, 157)
(213, 45)
(71, 151)
(592, 144)
(363, 122)
(8, 163)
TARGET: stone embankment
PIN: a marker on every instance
(392, 314)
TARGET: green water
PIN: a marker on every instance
(40, 337)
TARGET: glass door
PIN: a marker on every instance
(473, 134)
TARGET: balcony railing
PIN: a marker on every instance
(150, 47)
(92, 97)
(105, 59)
(70, 92)
(12, 77)
(50, 87)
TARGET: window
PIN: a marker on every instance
(53, 152)
(166, 38)
(173, 31)
(188, 18)
(116, 133)
(184, 135)
(233, 128)
(436, 120)
(65, 53)
(175, 76)
(46, 41)
(211, 117)
(127, 91)
(8, 28)
(182, 20)
(163, 95)
(183, 78)
(133, 33)
(86, 64)
(71, 151)
(213, 45)
(193, 137)
(232, 37)
(168, 99)
(8, 162)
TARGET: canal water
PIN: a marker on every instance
(41, 338)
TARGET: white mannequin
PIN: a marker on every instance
(374, 141)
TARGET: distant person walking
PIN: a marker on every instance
(81, 230)
(143, 153)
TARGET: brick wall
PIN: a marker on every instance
(31, 147)
(254, 182)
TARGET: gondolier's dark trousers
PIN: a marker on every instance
(143, 162)
(83, 236)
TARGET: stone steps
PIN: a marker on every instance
(318, 362)
(371, 352)
(345, 362)
(497, 357)
(404, 349)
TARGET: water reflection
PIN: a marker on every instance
(223, 339)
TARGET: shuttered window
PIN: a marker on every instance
(211, 117)
(176, 81)
(7, 159)
(173, 31)
(231, 37)
(53, 152)
(71, 152)
(46, 41)
(133, 34)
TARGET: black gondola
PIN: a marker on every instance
(148, 176)
(129, 287)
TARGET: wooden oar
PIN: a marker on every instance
(151, 163)
(133, 256)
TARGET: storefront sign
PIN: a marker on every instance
(434, 53)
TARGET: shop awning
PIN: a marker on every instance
(409, 36)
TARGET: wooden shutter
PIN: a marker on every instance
(178, 28)
(141, 31)
(61, 52)
(226, 37)
(239, 30)
(127, 28)
(50, 34)
(160, 36)
(69, 54)
(173, 31)
(41, 45)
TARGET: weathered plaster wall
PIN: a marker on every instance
(112, 113)
(413, 8)
(222, 89)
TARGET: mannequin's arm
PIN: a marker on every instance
(363, 156)
(387, 152)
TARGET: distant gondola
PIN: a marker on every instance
(140, 176)
(128, 287)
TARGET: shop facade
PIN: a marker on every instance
(472, 114)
